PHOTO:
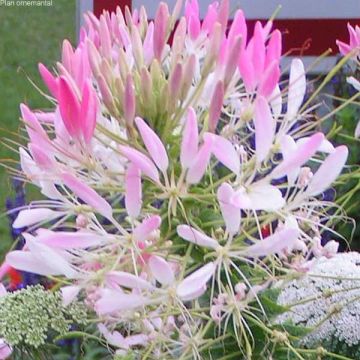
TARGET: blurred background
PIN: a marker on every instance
(28, 35)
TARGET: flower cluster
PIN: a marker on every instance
(327, 301)
(28, 315)
(352, 49)
(181, 177)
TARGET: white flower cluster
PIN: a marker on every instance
(326, 299)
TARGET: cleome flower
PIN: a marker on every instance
(353, 49)
(181, 178)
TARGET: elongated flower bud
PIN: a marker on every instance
(216, 106)
(160, 29)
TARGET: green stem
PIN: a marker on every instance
(328, 77)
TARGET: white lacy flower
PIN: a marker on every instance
(328, 299)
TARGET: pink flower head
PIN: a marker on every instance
(79, 116)
(354, 41)
(259, 63)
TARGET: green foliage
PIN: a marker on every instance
(342, 126)
(28, 35)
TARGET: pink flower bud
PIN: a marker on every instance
(160, 29)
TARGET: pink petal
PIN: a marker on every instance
(209, 19)
(28, 165)
(274, 243)
(288, 146)
(129, 100)
(3, 291)
(36, 132)
(238, 27)
(265, 197)
(45, 117)
(114, 300)
(191, 8)
(67, 55)
(247, 71)
(94, 57)
(194, 285)
(188, 75)
(41, 158)
(26, 261)
(149, 44)
(153, 144)
(113, 338)
(198, 166)
(138, 339)
(357, 130)
(258, 52)
(62, 135)
(69, 106)
(233, 58)
(276, 101)
(329, 170)
(88, 111)
(137, 47)
(69, 293)
(105, 37)
(214, 46)
(87, 194)
(269, 79)
(30, 217)
(106, 94)
(133, 191)
(49, 80)
(188, 233)
(258, 197)
(116, 339)
(141, 161)
(326, 146)
(50, 258)
(223, 14)
(69, 240)
(353, 36)
(190, 139)
(216, 106)
(303, 153)
(142, 231)
(160, 28)
(179, 37)
(230, 213)
(194, 26)
(343, 47)
(40, 260)
(225, 152)
(273, 50)
(175, 80)
(5, 350)
(161, 270)
(297, 87)
(264, 129)
(288, 149)
(128, 280)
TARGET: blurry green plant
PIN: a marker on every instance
(27, 35)
(342, 131)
